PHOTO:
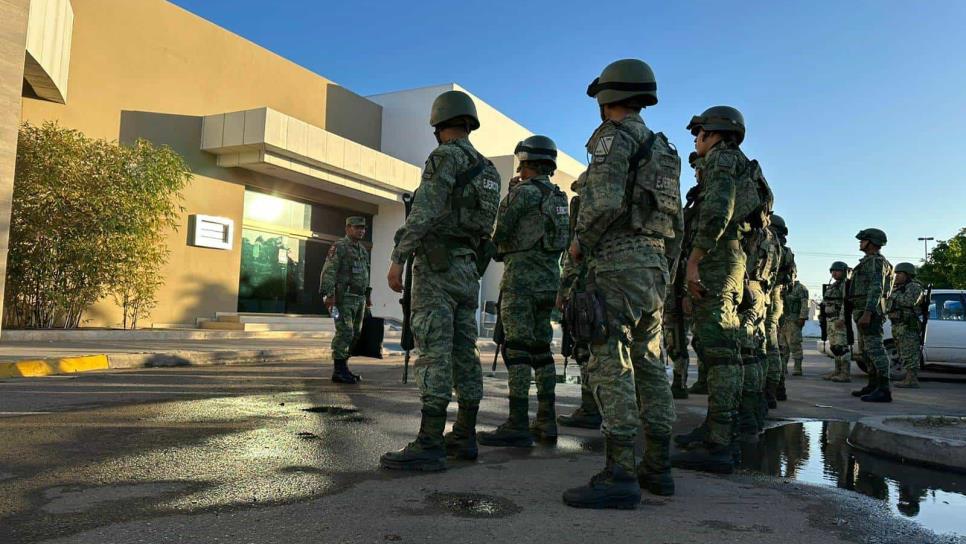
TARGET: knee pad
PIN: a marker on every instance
(516, 359)
(839, 351)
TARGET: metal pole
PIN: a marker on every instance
(925, 247)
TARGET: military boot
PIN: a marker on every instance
(461, 441)
(585, 417)
(694, 437)
(845, 373)
(678, 388)
(707, 457)
(747, 420)
(700, 386)
(614, 487)
(426, 453)
(799, 370)
(544, 426)
(880, 394)
(654, 471)
(911, 381)
(869, 387)
(515, 432)
(836, 370)
(341, 374)
(780, 393)
(771, 394)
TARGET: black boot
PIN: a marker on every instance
(771, 394)
(654, 471)
(780, 393)
(707, 457)
(544, 427)
(614, 487)
(515, 432)
(694, 437)
(585, 417)
(880, 394)
(461, 441)
(341, 374)
(426, 453)
(869, 387)
(678, 388)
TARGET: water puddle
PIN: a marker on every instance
(817, 452)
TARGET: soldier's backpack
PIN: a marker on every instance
(476, 196)
(556, 217)
(753, 197)
(763, 253)
(653, 193)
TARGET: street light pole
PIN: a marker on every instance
(925, 247)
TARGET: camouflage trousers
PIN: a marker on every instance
(444, 328)
(716, 329)
(526, 323)
(627, 376)
(352, 310)
(790, 341)
(869, 340)
(838, 341)
(676, 347)
(754, 308)
(908, 346)
(772, 316)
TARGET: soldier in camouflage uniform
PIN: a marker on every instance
(795, 302)
(628, 243)
(345, 286)
(715, 276)
(532, 231)
(833, 306)
(903, 309)
(870, 287)
(452, 217)
(775, 377)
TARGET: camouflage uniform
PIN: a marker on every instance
(871, 285)
(531, 278)
(631, 272)
(833, 305)
(796, 308)
(345, 277)
(903, 311)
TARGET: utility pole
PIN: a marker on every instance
(925, 247)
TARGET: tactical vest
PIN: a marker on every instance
(549, 228)
(793, 302)
(833, 299)
(353, 269)
(904, 313)
(862, 277)
(476, 197)
(763, 253)
(753, 197)
(653, 193)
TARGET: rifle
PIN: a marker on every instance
(849, 333)
(407, 342)
(499, 335)
(924, 311)
(822, 318)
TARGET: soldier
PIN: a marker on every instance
(775, 379)
(833, 306)
(532, 231)
(903, 311)
(795, 302)
(451, 220)
(345, 287)
(628, 229)
(587, 415)
(871, 285)
(715, 275)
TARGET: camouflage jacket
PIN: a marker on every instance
(346, 269)
(871, 284)
(532, 269)
(432, 207)
(603, 229)
(764, 252)
(833, 300)
(903, 303)
(796, 301)
(719, 170)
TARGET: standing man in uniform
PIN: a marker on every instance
(794, 318)
(715, 276)
(452, 218)
(532, 230)
(833, 306)
(629, 229)
(775, 378)
(903, 311)
(345, 287)
(870, 287)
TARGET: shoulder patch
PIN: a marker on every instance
(602, 148)
(725, 160)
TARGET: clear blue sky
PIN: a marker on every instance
(854, 109)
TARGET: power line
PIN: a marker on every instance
(845, 255)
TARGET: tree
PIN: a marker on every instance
(88, 221)
(946, 267)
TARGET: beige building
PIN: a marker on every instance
(280, 155)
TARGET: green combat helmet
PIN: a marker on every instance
(908, 268)
(838, 266)
(537, 148)
(875, 236)
(779, 224)
(451, 105)
(623, 79)
(719, 119)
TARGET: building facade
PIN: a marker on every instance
(280, 155)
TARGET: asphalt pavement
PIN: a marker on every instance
(278, 453)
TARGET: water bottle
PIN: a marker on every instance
(335, 312)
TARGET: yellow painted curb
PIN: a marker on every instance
(31, 368)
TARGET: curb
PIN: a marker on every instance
(876, 435)
(33, 368)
